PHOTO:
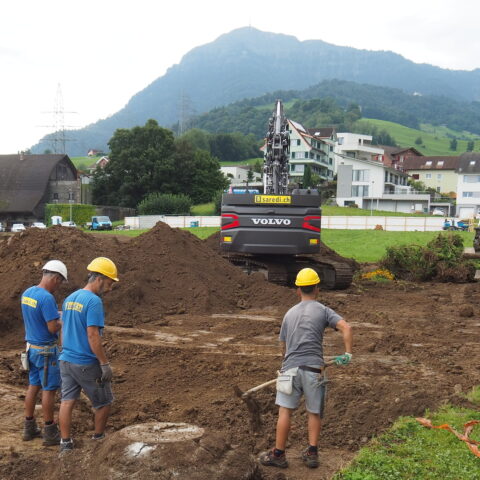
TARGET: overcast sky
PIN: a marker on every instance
(101, 52)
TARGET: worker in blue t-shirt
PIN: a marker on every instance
(42, 324)
(83, 362)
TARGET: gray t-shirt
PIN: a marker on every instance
(302, 331)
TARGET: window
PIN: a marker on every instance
(438, 189)
(440, 163)
(55, 196)
(331, 148)
(330, 161)
(340, 140)
(472, 162)
(292, 168)
(439, 176)
(360, 191)
(428, 176)
(298, 142)
(471, 178)
(415, 176)
(471, 194)
(428, 163)
(292, 155)
(360, 175)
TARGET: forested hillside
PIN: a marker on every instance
(247, 63)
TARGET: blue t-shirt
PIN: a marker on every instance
(38, 308)
(81, 309)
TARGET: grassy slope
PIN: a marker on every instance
(410, 451)
(435, 140)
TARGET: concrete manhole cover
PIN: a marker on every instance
(162, 432)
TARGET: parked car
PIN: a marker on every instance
(18, 227)
(38, 225)
(438, 211)
(69, 224)
(2, 227)
(101, 223)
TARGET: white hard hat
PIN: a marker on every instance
(56, 266)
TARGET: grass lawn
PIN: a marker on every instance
(410, 451)
(331, 211)
(370, 245)
(204, 209)
(362, 245)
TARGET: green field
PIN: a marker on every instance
(412, 452)
(435, 140)
(365, 246)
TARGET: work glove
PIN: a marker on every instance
(107, 373)
(343, 359)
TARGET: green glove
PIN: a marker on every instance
(343, 359)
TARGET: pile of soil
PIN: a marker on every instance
(325, 252)
(163, 271)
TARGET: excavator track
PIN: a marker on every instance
(282, 270)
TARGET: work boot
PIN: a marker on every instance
(65, 447)
(269, 459)
(30, 430)
(51, 435)
(310, 458)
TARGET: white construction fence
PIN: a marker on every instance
(399, 224)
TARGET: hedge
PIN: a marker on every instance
(81, 214)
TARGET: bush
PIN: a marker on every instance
(217, 201)
(165, 204)
(81, 213)
(441, 260)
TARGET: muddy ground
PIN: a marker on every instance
(185, 327)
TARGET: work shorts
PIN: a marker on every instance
(36, 362)
(313, 386)
(76, 378)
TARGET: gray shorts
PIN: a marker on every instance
(87, 377)
(310, 384)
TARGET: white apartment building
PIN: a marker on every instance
(314, 147)
(355, 145)
(468, 186)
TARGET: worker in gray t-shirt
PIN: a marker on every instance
(301, 336)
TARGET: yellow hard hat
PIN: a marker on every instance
(306, 277)
(104, 266)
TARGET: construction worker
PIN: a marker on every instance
(42, 324)
(83, 362)
(302, 371)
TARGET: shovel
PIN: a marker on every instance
(252, 404)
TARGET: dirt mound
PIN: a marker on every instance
(23, 255)
(325, 252)
(163, 271)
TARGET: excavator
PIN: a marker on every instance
(278, 232)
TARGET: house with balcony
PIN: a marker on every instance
(468, 185)
(395, 157)
(357, 146)
(313, 147)
(369, 184)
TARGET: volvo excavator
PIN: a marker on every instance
(278, 232)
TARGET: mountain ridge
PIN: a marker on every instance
(247, 62)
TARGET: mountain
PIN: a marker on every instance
(247, 63)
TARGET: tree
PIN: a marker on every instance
(146, 160)
(307, 177)
(250, 175)
(418, 141)
(258, 167)
(453, 144)
(470, 146)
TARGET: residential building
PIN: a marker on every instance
(357, 146)
(437, 172)
(99, 163)
(238, 176)
(468, 185)
(313, 147)
(28, 182)
(370, 184)
(396, 156)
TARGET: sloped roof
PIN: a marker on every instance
(431, 163)
(397, 150)
(24, 180)
(469, 163)
(325, 132)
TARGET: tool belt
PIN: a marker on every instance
(42, 347)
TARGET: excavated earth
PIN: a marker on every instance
(185, 327)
